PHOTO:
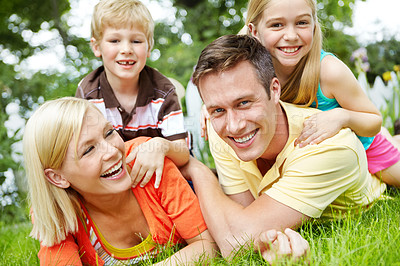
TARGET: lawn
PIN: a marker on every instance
(372, 238)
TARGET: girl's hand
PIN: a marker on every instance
(275, 245)
(321, 126)
(149, 158)
(204, 116)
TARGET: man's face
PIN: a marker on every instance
(239, 108)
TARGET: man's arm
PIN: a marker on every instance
(230, 223)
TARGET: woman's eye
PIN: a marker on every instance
(88, 150)
(110, 132)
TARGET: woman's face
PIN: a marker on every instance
(96, 165)
(286, 29)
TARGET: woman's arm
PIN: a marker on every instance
(200, 248)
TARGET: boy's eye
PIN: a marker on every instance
(276, 25)
(88, 150)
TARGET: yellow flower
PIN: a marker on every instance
(396, 68)
(387, 76)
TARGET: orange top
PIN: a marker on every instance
(172, 212)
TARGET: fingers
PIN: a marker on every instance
(147, 178)
(132, 155)
(159, 172)
(279, 245)
(284, 245)
(298, 244)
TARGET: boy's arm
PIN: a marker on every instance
(149, 158)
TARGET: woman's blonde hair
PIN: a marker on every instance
(47, 136)
(117, 13)
(302, 85)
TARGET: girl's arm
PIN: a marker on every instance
(200, 248)
(357, 112)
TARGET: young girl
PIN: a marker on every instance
(84, 209)
(289, 29)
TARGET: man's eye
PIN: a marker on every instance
(218, 110)
(243, 103)
(88, 150)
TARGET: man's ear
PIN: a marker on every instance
(56, 179)
(95, 47)
(275, 90)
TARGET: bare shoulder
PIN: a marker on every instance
(336, 77)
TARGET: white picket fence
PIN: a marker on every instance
(383, 95)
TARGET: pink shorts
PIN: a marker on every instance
(381, 154)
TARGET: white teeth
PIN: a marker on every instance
(113, 171)
(245, 139)
(126, 63)
(290, 50)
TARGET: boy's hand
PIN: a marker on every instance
(274, 245)
(149, 157)
(319, 127)
(204, 116)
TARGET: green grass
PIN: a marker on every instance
(372, 238)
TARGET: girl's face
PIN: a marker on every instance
(98, 166)
(286, 30)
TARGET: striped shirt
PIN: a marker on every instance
(157, 111)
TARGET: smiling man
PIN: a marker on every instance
(267, 182)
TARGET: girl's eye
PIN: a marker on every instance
(88, 150)
(137, 41)
(113, 41)
(303, 23)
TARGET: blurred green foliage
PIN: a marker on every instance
(177, 45)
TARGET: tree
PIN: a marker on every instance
(177, 46)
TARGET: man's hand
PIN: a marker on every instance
(274, 245)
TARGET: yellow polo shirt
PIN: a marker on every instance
(318, 180)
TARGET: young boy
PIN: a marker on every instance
(135, 98)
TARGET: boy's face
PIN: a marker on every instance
(124, 52)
